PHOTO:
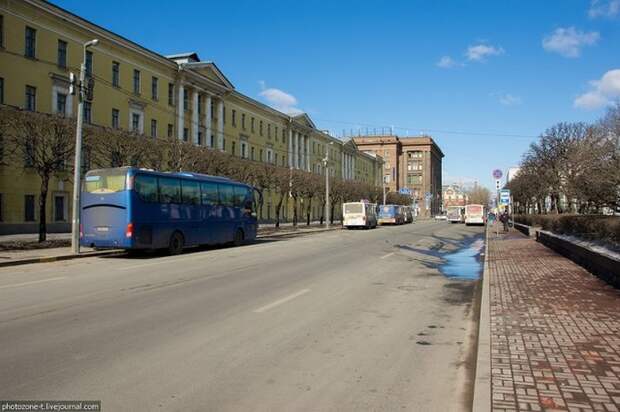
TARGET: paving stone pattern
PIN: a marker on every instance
(555, 331)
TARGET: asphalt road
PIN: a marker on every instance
(344, 320)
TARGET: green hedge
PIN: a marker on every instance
(590, 227)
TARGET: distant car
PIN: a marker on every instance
(441, 217)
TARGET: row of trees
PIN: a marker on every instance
(572, 167)
(45, 143)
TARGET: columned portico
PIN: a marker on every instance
(220, 124)
(290, 147)
(308, 154)
(195, 97)
(180, 111)
(208, 120)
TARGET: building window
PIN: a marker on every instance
(244, 150)
(170, 94)
(59, 208)
(31, 43)
(200, 139)
(243, 121)
(115, 118)
(89, 64)
(62, 54)
(154, 88)
(269, 131)
(199, 104)
(31, 98)
(88, 112)
(1, 90)
(153, 128)
(252, 153)
(29, 208)
(185, 134)
(170, 129)
(260, 128)
(1, 40)
(232, 149)
(185, 99)
(61, 103)
(223, 114)
(260, 157)
(233, 118)
(135, 122)
(116, 74)
(252, 125)
(136, 81)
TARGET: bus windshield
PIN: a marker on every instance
(105, 181)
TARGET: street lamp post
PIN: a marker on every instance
(75, 223)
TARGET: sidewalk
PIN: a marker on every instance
(555, 331)
(14, 257)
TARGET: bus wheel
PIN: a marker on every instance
(238, 240)
(176, 243)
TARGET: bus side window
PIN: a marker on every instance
(241, 194)
(209, 194)
(190, 191)
(146, 187)
(227, 196)
(169, 190)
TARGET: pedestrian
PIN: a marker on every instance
(504, 219)
(491, 218)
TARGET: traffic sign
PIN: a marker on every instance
(405, 191)
(504, 197)
(497, 174)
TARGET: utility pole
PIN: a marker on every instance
(77, 164)
(327, 202)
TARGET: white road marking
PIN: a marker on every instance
(162, 261)
(281, 301)
(386, 256)
(16, 285)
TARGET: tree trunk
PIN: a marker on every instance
(45, 179)
(331, 214)
(294, 212)
(322, 212)
(278, 209)
(308, 211)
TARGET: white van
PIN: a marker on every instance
(359, 214)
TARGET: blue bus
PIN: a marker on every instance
(390, 214)
(132, 208)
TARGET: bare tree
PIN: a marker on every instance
(44, 143)
(479, 195)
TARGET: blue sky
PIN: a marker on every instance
(497, 72)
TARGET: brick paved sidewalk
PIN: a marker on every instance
(555, 331)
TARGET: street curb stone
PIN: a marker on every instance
(47, 259)
(482, 381)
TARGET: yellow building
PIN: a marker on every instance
(137, 89)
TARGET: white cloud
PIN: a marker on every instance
(279, 99)
(569, 41)
(603, 91)
(509, 100)
(481, 51)
(604, 8)
(447, 62)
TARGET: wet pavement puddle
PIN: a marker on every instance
(465, 263)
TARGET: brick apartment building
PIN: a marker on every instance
(409, 162)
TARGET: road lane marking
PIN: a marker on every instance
(386, 256)
(16, 285)
(159, 262)
(281, 301)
